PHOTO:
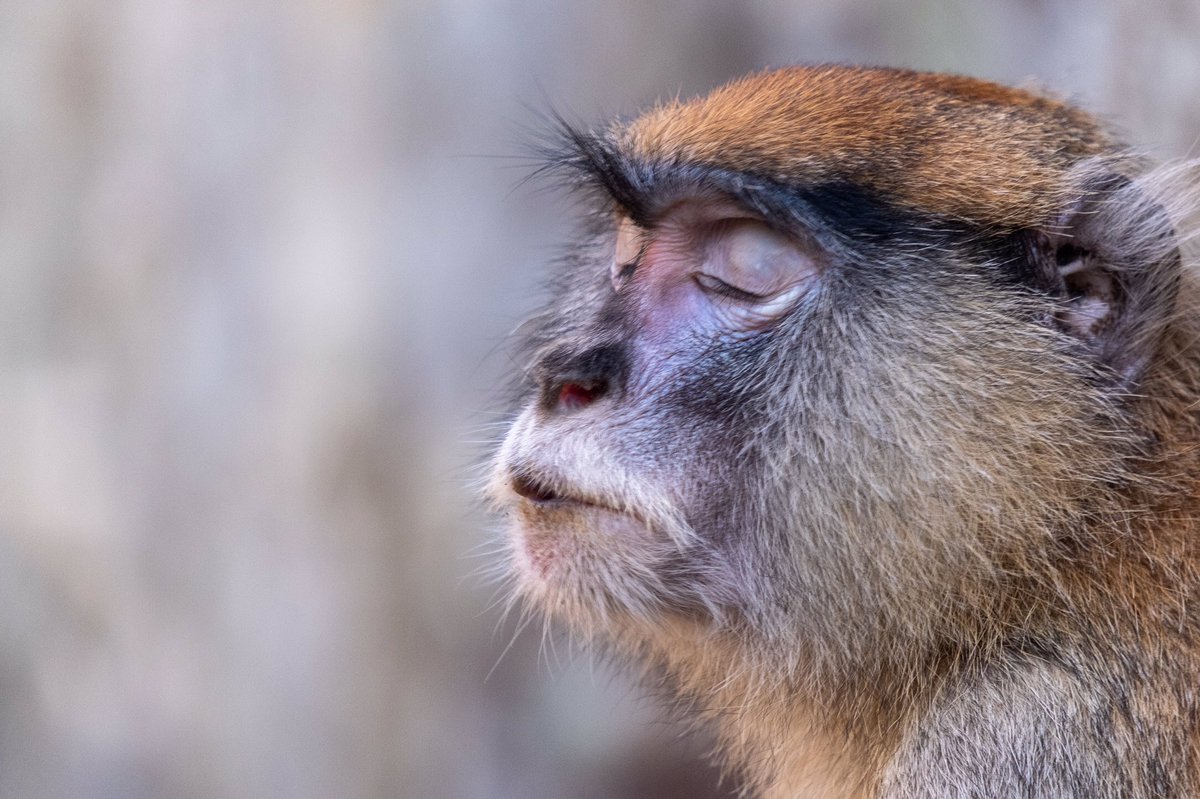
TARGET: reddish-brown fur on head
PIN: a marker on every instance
(946, 145)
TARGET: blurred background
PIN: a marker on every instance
(257, 264)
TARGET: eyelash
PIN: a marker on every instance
(714, 285)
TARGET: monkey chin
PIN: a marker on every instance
(591, 564)
(554, 540)
(566, 544)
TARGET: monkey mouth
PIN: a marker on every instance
(534, 490)
(542, 494)
(543, 541)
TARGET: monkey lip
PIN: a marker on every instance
(541, 493)
(533, 490)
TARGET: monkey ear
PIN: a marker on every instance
(1113, 261)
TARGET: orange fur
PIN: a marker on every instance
(948, 145)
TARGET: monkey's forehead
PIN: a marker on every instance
(943, 144)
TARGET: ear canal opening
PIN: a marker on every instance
(1113, 263)
(1091, 293)
(1067, 256)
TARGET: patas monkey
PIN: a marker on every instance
(865, 418)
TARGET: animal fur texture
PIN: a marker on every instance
(923, 521)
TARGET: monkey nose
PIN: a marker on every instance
(573, 396)
(574, 376)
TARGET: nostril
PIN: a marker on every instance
(531, 489)
(571, 377)
(572, 396)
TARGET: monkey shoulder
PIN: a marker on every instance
(1057, 725)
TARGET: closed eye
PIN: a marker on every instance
(718, 287)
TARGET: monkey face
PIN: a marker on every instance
(774, 381)
(728, 419)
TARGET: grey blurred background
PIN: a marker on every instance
(257, 262)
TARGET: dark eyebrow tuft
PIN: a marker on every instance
(591, 160)
(837, 212)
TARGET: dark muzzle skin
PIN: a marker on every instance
(862, 419)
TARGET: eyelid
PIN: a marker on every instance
(715, 285)
(754, 259)
(753, 312)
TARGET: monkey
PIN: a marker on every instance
(864, 418)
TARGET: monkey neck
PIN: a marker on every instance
(785, 731)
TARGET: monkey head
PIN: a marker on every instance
(840, 361)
